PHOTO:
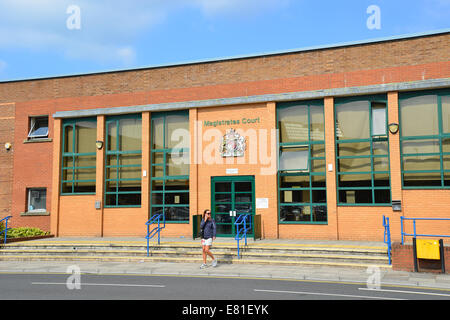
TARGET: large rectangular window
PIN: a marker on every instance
(425, 139)
(301, 166)
(362, 151)
(123, 161)
(170, 144)
(79, 156)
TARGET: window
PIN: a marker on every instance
(38, 127)
(362, 151)
(123, 161)
(379, 120)
(301, 167)
(294, 158)
(37, 200)
(425, 139)
(170, 143)
(79, 156)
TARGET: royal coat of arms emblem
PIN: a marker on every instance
(233, 144)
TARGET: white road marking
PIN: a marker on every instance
(405, 291)
(104, 284)
(326, 294)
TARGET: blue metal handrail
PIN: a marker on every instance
(6, 227)
(156, 230)
(415, 234)
(387, 236)
(242, 233)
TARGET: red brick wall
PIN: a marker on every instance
(33, 165)
(403, 260)
(6, 158)
(367, 64)
(376, 63)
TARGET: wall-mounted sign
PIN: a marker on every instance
(262, 203)
(232, 171)
(233, 144)
(231, 122)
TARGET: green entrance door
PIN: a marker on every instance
(231, 197)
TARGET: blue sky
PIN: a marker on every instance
(36, 41)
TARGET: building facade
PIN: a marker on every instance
(319, 143)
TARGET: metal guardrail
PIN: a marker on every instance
(241, 233)
(387, 237)
(6, 227)
(156, 230)
(415, 234)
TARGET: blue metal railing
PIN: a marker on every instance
(5, 231)
(415, 234)
(242, 227)
(156, 219)
(387, 236)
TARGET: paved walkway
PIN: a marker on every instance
(387, 277)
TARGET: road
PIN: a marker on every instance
(22, 286)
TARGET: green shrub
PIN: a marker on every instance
(22, 232)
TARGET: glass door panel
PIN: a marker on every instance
(242, 186)
(231, 197)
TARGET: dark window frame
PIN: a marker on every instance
(74, 155)
(373, 188)
(315, 209)
(117, 153)
(440, 137)
(165, 151)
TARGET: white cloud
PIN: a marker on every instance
(107, 31)
(3, 65)
(127, 54)
(108, 27)
(72, 48)
(213, 8)
(437, 9)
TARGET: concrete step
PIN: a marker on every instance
(191, 260)
(195, 246)
(254, 253)
(273, 255)
(301, 251)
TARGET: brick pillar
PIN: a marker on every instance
(195, 158)
(56, 170)
(270, 224)
(395, 165)
(330, 159)
(100, 172)
(145, 186)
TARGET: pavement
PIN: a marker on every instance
(387, 277)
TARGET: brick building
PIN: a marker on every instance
(306, 140)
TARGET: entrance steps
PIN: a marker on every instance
(275, 252)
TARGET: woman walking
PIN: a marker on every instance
(208, 227)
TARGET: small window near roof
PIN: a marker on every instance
(38, 127)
